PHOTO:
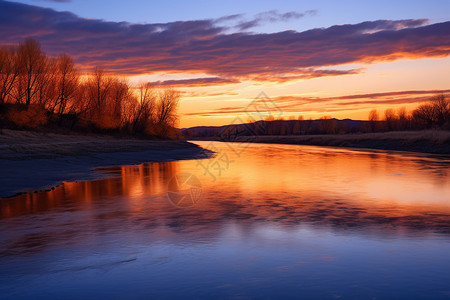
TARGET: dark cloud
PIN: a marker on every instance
(205, 47)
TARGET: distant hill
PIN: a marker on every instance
(278, 127)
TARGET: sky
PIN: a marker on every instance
(310, 58)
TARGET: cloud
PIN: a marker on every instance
(195, 82)
(399, 97)
(205, 47)
(196, 94)
(59, 1)
(293, 103)
(271, 16)
(308, 73)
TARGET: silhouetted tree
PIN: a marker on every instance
(166, 108)
(373, 120)
(32, 64)
(441, 108)
(66, 83)
(51, 88)
(144, 113)
(327, 125)
(389, 117)
(402, 119)
(9, 71)
(434, 113)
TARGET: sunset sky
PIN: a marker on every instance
(312, 58)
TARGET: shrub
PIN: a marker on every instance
(29, 117)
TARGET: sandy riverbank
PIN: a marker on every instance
(35, 161)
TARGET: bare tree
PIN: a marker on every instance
(441, 107)
(120, 92)
(327, 125)
(9, 72)
(32, 63)
(98, 88)
(145, 112)
(373, 119)
(402, 115)
(129, 110)
(66, 84)
(435, 113)
(52, 86)
(424, 114)
(46, 88)
(389, 117)
(167, 107)
(98, 95)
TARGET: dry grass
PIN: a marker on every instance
(29, 145)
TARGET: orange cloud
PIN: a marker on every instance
(331, 104)
(206, 47)
(195, 82)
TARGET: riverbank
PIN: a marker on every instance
(35, 161)
(427, 141)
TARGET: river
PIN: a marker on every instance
(254, 221)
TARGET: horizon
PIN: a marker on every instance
(310, 59)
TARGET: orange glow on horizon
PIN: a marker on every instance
(203, 104)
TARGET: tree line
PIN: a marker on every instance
(434, 114)
(39, 91)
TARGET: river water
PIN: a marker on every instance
(254, 221)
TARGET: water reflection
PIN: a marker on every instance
(130, 182)
(271, 199)
(332, 187)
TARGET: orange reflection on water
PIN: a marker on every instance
(270, 183)
(130, 182)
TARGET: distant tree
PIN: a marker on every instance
(373, 120)
(298, 127)
(389, 117)
(402, 119)
(424, 115)
(328, 125)
(434, 113)
(441, 108)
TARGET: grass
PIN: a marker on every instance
(19, 145)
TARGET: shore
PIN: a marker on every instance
(427, 141)
(35, 161)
